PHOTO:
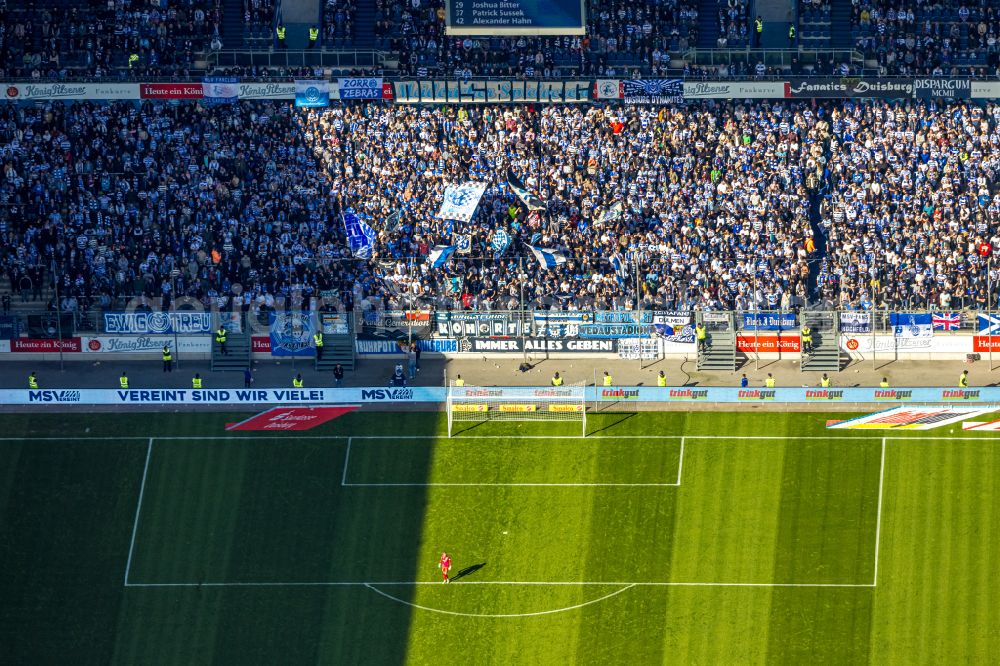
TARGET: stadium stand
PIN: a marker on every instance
(56, 38)
(724, 204)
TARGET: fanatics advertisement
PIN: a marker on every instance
(845, 87)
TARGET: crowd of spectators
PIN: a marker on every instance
(623, 36)
(708, 205)
(49, 38)
(259, 21)
(338, 22)
(932, 37)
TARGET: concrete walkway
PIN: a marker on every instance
(495, 371)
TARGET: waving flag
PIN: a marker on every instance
(946, 321)
(360, 236)
(548, 258)
(528, 198)
(500, 241)
(463, 242)
(440, 255)
(911, 325)
(460, 201)
(311, 94)
(613, 212)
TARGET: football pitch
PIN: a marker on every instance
(701, 538)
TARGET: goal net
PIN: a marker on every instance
(517, 403)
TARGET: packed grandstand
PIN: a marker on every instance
(678, 204)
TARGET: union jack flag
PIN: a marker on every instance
(946, 321)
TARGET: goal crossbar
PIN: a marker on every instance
(516, 403)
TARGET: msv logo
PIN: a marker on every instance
(53, 396)
(387, 394)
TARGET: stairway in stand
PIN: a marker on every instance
(708, 24)
(825, 354)
(232, 24)
(364, 24)
(237, 356)
(841, 36)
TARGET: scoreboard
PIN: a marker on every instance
(489, 18)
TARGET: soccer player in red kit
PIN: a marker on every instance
(444, 565)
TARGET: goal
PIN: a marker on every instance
(517, 403)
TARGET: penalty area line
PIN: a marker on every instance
(496, 615)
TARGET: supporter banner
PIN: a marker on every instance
(311, 94)
(985, 89)
(401, 319)
(460, 201)
(653, 91)
(360, 88)
(334, 323)
(433, 345)
(768, 321)
(610, 331)
(50, 325)
(607, 89)
(638, 348)
(559, 324)
(834, 87)
(489, 92)
(520, 345)
(221, 89)
(171, 91)
(43, 346)
(911, 325)
(53, 91)
(145, 344)
(477, 324)
(291, 334)
(855, 322)
(734, 89)
(683, 333)
(985, 399)
(942, 88)
(989, 324)
(768, 344)
(142, 323)
(10, 327)
(285, 90)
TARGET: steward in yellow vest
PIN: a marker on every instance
(123, 381)
(32, 381)
(661, 379)
(297, 382)
(196, 382)
(168, 359)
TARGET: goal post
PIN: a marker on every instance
(516, 403)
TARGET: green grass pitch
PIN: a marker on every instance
(692, 538)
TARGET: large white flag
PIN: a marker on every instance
(460, 201)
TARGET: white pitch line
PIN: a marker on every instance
(495, 582)
(497, 615)
(138, 509)
(347, 459)
(878, 519)
(680, 463)
(505, 485)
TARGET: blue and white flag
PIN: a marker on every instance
(460, 201)
(613, 212)
(360, 236)
(989, 324)
(531, 200)
(653, 91)
(500, 241)
(683, 333)
(911, 325)
(220, 89)
(463, 242)
(621, 268)
(440, 255)
(312, 93)
(855, 322)
(548, 258)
